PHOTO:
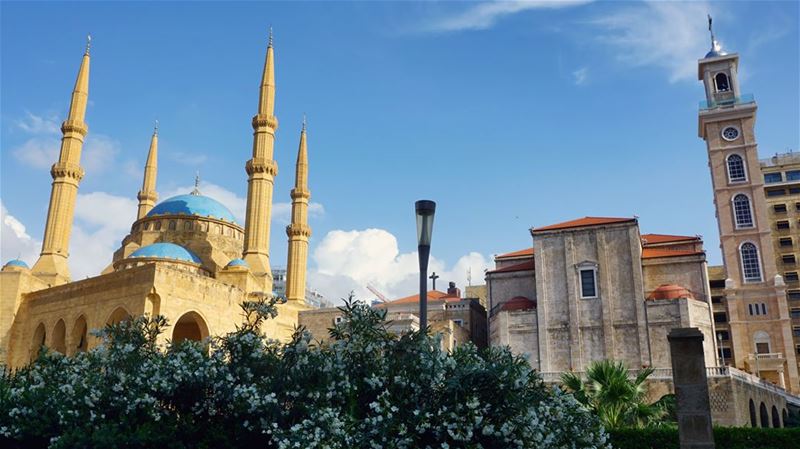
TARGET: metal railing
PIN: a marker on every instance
(732, 101)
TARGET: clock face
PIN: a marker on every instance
(730, 133)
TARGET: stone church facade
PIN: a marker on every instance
(186, 258)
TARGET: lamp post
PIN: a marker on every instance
(425, 210)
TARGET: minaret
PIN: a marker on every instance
(761, 340)
(67, 173)
(261, 171)
(299, 231)
(148, 195)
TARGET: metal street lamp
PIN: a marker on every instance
(425, 210)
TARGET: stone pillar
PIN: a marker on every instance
(691, 388)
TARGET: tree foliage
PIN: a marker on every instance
(366, 388)
(616, 398)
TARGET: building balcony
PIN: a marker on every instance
(772, 361)
(727, 102)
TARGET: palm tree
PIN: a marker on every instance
(618, 399)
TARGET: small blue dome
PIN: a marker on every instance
(238, 263)
(166, 251)
(199, 205)
(17, 263)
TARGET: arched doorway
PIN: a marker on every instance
(190, 326)
(753, 422)
(59, 342)
(120, 314)
(152, 305)
(78, 335)
(776, 420)
(39, 336)
(764, 416)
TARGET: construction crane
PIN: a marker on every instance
(377, 293)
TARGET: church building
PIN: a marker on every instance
(186, 257)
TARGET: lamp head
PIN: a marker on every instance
(425, 210)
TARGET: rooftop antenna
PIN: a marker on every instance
(196, 190)
(469, 276)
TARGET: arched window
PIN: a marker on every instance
(751, 268)
(60, 337)
(187, 225)
(39, 338)
(736, 171)
(753, 422)
(157, 226)
(762, 342)
(762, 411)
(147, 226)
(173, 225)
(742, 213)
(776, 419)
(79, 334)
(721, 80)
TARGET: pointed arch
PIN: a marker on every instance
(79, 336)
(39, 338)
(762, 411)
(119, 314)
(59, 341)
(776, 419)
(190, 326)
(753, 419)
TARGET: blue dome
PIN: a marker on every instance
(199, 205)
(166, 251)
(17, 263)
(238, 263)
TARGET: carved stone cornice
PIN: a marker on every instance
(144, 196)
(298, 230)
(261, 165)
(300, 194)
(263, 120)
(67, 170)
(74, 126)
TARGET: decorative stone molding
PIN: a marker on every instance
(300, 194)
(66, 170)
(260, 165)
(298, 230)
(262, 120)
(74, 126)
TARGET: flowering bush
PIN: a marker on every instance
(366, 388)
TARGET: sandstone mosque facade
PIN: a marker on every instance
(186, 258)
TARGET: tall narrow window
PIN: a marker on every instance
(722, 82)
(741, 211)
(736, 171)
(588, 283)
(750, 266)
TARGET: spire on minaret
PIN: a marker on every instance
(261, 171)
(716, 48)
(299, 231)
(67, 173)
(148, 195)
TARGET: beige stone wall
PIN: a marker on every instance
(575, 331)
(479, 292)
(518, 330)
(663, 315)
(318, 321)
(501, 287)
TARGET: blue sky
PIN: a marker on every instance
(508, 114)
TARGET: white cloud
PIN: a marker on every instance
(350, 260)
(580, 76)
(15, 242)
(670, 35)
(191, 159)
(485, 15)
(37, 124)
(41, 149)
(102, 220)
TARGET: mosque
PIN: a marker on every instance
(186, 258)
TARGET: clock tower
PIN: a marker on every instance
(756, 296)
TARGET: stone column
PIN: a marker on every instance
(691, 388)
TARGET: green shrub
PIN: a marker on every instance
(367, 388)
(724, 437)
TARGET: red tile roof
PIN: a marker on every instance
(518, 303)
(652, 253)
(655, 239)
(524, 266)
(520, 253)
(670, 291)
(585, 221)
(433, 295)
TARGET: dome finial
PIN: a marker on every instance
(711, 30)
(196, 190)
(270, 35)
(304, 122)
(155, 128)
(88, 43)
